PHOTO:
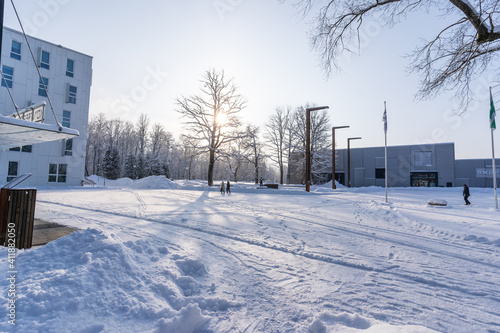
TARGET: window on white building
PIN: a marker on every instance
(15, 50)
(57, 173)
(12, 173)
(8, 74)
(70, 67)
(71, 95)
(24, 149)
(41, 91)
(45, 59)
(68, 147)
(66, 119)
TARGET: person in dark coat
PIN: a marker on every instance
(466, 194)
(228, 187)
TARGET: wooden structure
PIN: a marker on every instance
(17, 214)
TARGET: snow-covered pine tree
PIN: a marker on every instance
(130, 167)
(111, 164)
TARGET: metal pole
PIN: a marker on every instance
(308, 144)
(308, 149)
(333, 154)
(348, 163)
(333, 159)
(2, 2)
(385, 167)
(494, 170)
(384, 119)
(349, 160)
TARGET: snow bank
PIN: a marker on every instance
(337, 185)
(152, 182)
(116, 284)
(352, 323)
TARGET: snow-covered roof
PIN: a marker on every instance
(18, 132)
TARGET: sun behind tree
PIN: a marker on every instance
(211, 118)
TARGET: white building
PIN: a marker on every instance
(67, 75)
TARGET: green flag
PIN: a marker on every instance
(493, 125)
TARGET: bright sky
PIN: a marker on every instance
(146, 54)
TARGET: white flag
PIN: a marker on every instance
(384, 119)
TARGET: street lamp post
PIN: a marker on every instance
(333, 154)
(349, 159)
(308, 144)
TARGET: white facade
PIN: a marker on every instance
(69, 77)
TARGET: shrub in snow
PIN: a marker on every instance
(437, 202)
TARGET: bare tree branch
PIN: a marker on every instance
(459, 53)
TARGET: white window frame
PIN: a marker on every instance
(9, 78)
(60, 174)
(69, 72)
(10, 176)
(41, 91)
(66, 118)
(13, 54)
(44, 64)
(71, 96)
(67, 147)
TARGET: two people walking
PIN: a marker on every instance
(225, 188)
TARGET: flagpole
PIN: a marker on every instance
(494, 171)
(385, 132)
(492, 128)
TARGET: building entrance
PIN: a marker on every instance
(425, 179)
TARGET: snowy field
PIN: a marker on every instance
(158, 256)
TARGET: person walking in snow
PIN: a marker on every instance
(466, 194)
(222, 187)
(228, 187)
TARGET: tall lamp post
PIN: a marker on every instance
(333, 154)
(308, 144)
(349, 159)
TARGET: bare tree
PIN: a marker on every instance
(187, 159)
(157, 140)
(255, 149)
(459, 52)
(237, 157)
(126, 145)
(211, 116)
(142, 140)
(276, 131)
(96, 144)
(142, 133)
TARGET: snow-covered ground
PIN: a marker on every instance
(158, 256)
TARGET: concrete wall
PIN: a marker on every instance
(477, 172)
(402, 161)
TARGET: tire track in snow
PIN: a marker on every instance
(308, 255)
(371, 236)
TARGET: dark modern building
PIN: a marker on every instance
(413, 165)
(476, 173)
